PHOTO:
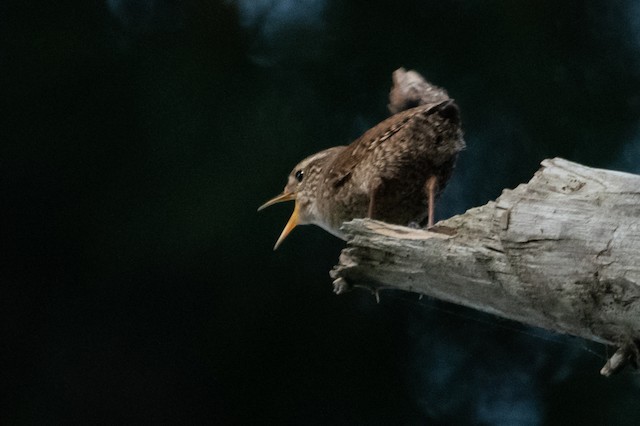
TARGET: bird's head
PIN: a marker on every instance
(303, 186)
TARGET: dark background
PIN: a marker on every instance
(138, 137)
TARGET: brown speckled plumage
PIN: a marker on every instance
(385, 172)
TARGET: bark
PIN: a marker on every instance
(561, 252)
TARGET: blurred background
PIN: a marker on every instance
(139, 137)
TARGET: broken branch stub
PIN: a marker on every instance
(561, 252)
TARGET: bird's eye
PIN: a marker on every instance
(299, 175)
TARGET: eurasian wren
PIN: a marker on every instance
(393, 172)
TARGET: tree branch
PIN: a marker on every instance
(561, 252)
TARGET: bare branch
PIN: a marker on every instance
(561, 252)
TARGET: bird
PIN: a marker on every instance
(393, 172)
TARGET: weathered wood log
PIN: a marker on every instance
(561, 252)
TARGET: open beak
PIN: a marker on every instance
(285, 196)
(293, 220)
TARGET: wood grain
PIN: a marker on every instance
(561, 252)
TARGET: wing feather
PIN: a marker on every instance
(341, 170)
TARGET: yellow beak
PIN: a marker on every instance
(293, 220)
(285, 196)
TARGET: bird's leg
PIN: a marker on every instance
(430, 189)
(376, 188)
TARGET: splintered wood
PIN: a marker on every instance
(561, 252)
